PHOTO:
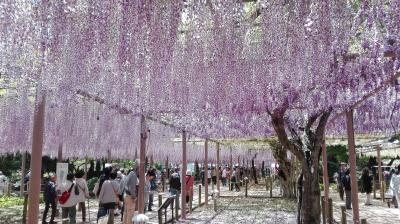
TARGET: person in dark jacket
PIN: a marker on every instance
(366, 182)
(50, 197)
(347, 188)
(175, 185)
(153, 187)
(341, 174)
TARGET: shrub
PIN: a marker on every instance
(91, 182)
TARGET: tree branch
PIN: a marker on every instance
(279, 126)
(319, 134)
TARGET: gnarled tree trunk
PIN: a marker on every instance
(286, 169)
(307, 148)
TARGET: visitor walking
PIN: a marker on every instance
(68, 207)
(223, 177)
(395, 186)
(189, 180)
(366, 182)
(50, 197)
(341, 175)
(108, 197)
(234, 180)
(147, 190)
(214, 174)
(130, 196)
(83, 192)
(153, 188)
(175, 184)
(347, 188)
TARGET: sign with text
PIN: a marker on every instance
(61, 172)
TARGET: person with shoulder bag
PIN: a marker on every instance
(68, 199)
(108, 198)
(83, 192)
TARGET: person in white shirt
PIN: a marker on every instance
(108, 196)
(83, 192)
(395, 186)
(69, 207)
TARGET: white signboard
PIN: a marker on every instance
(62, 171)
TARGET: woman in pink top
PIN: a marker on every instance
(189, 185)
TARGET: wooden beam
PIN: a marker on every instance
(352, 162)
(36, 158)
(206, 172)
(184, 168)
(367, 96)
(126, 111)
(217, 169)
(142, 158)
(325, 178)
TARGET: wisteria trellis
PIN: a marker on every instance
(205, 66)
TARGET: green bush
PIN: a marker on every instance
(91, 182)
(10, 201)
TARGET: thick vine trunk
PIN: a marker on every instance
(307, 149)
(288, 189)
(310, 206)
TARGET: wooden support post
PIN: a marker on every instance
(36, 158)
(176, 207)
(325, 178)
(380, 176)
(323, 210)
(374, 185)
(108, 156)
(142, 158)
(23, 173)
(271, 184)
(184, 168)
(206, 172)
(159, 213)
(217, 168)
(231, 171)
(25, 208)
(159, 200)
(343, 210)
(191, 202)
(352, 161)
(330, 211)
(60, 153)
(9, 188)
(246, 185)
(199, 195)
(167, 168)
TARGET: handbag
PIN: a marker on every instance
(65, 195)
